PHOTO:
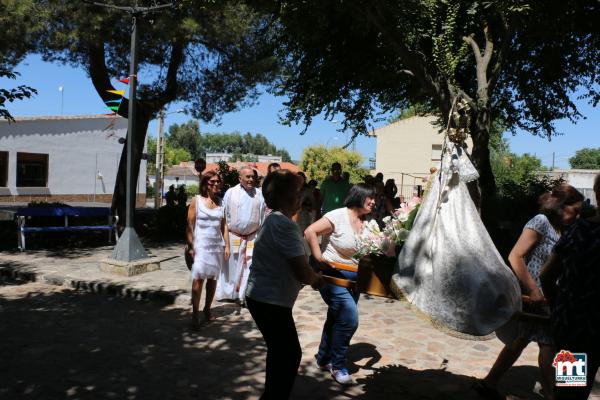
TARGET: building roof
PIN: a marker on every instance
(186, 168)
(63, 117)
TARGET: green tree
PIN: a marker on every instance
(21, 24)
(587, 158)
(209, 55)
(9, 95)
(316, 162)
(509, 168)
(515, 60)
(186, 136)
(173, 155)
(244, 147)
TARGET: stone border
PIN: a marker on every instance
(164, 297)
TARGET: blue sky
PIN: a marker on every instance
(79, 97)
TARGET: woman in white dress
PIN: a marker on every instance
(208, 242)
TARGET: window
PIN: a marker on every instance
(3, 168)
(32, 170)
(436, 152)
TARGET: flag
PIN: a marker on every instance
(119, 92)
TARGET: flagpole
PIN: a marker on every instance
(129, 247)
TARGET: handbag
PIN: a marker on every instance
(189, 260)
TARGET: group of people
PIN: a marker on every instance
(557, 262)
(253, 246)
(259, 246)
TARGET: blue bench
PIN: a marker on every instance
(65, 212)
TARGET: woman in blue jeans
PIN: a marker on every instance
(339, 229)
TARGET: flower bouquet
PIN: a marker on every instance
(374, 240)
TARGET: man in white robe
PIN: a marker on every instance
(244, 210)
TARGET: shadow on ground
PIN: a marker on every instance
(71, 344)
(397, 381)
(60, 343)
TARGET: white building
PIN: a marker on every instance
(581, 179)
(227, 157)
(216, 157)
(407, 149)
(62, 158)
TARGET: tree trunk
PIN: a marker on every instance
(119, 193)
(480, 132)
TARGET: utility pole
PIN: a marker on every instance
(129, 247)
(160, 153)
(552, 161)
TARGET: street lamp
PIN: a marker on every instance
(160, 157)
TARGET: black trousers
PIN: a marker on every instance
(283, 348)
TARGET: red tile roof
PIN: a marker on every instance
(186, 168)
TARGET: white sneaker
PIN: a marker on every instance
(342, 377)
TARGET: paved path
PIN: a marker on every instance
(59, 343)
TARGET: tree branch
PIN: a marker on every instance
(504, 47)
(417, 66)
(100, 76)
(169, 94)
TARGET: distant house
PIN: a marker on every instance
(185, 174)
(581, 179)
(62, 158)
(227, 157)
(406, 150)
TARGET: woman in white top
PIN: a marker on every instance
(339, 229)
(207, 242)
(279, 268)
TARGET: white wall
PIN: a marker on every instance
(77, 148)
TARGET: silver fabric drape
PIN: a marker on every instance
(449, 267)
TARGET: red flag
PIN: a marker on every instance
(126, 79)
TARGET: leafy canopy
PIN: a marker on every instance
(520, 60)
(587, 158)
(245, 147)
(21, 23)
(208, 55)
(316, 162)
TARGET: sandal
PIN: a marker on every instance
(487, 392)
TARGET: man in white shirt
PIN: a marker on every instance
(244, 210)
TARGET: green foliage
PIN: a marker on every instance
(173, 155)
(186, 136)
(9, 95)
(150, 191)
(21, 23)
(509, 168)
(191, 190)
(207, 54)
(316, 162)
(587, 158)
(359, 57)
(169, 223)
(245, 147)
(230, 176)
(515, 204)
(414, 110)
